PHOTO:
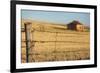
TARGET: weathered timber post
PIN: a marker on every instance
(27, 35)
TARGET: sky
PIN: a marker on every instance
(61, 17)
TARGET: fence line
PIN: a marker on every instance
(62, 51)
(56, 41)
(23, 30)
(30, 42)
(58, 32)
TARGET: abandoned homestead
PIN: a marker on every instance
(75, 25)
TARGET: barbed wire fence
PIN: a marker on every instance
(30, 42)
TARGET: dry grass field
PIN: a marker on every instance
(52, 42)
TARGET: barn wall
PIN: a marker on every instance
(71, 27)
(80, 27)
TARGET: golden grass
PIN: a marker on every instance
(52, 44)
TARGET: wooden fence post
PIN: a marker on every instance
(27, 36)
